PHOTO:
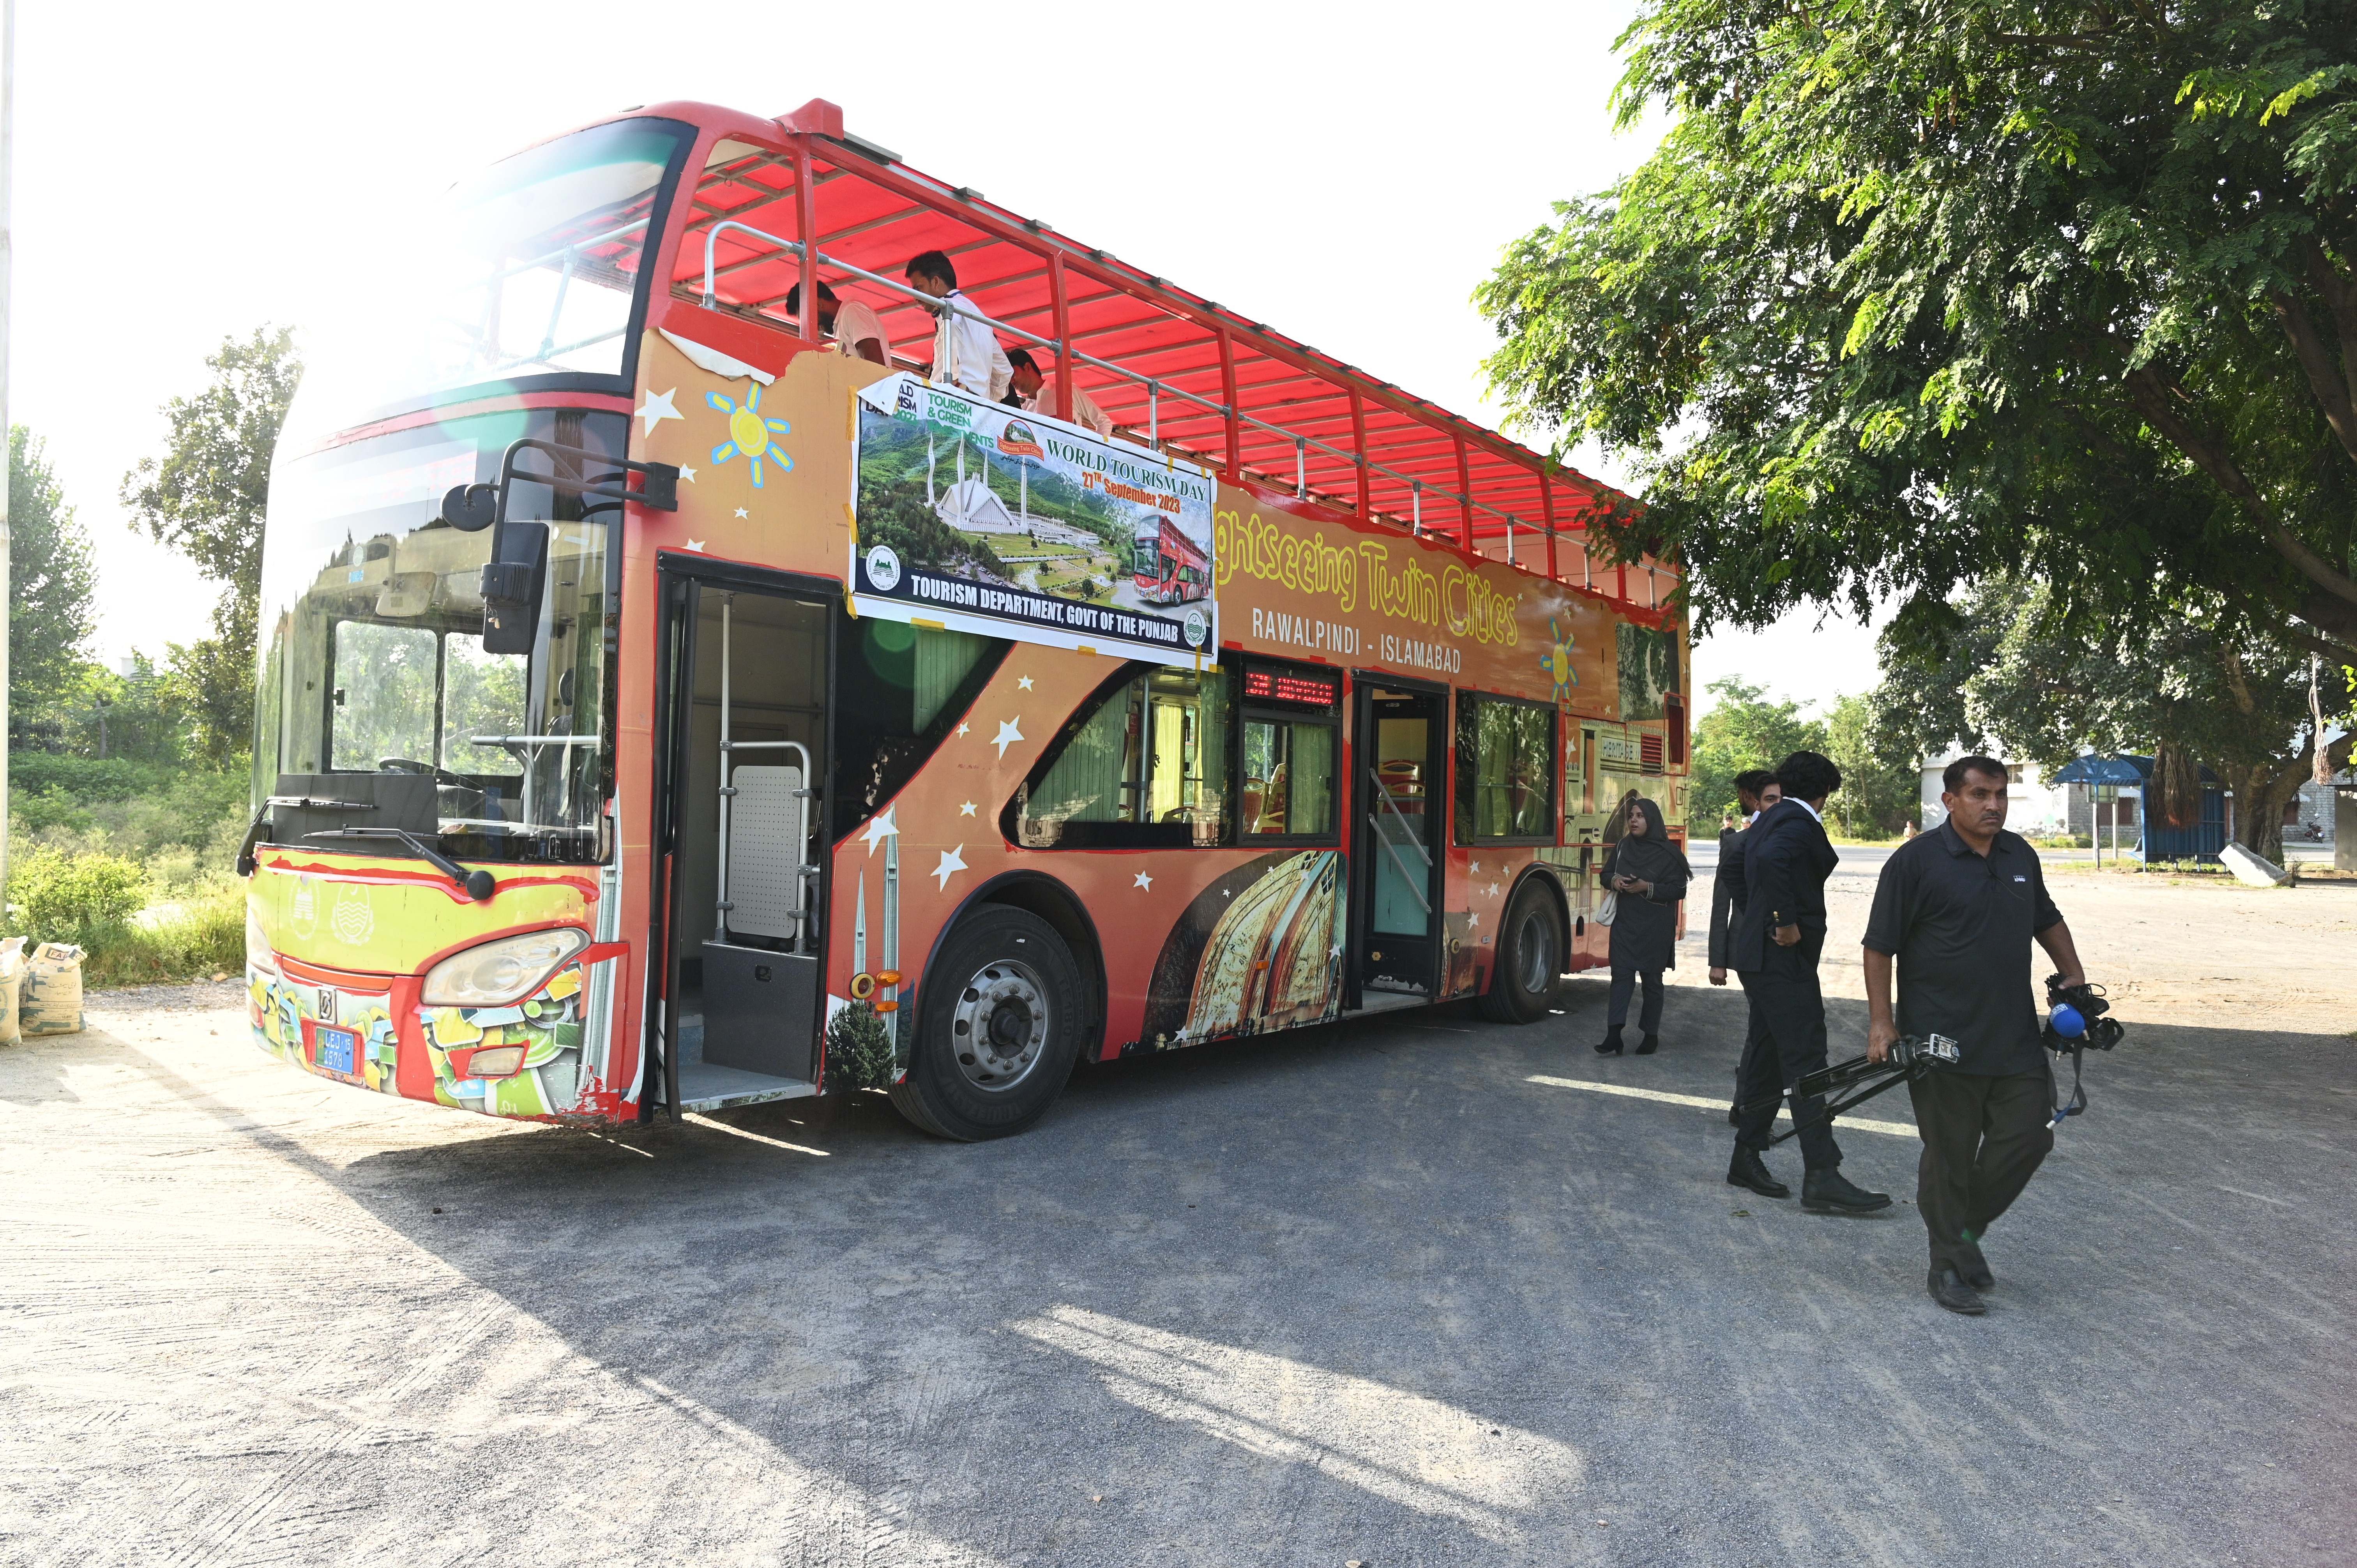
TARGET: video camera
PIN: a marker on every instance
(2074, 1018)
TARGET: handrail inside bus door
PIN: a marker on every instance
(1384, 794)
(803, 871)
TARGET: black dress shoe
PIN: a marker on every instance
(1827, 1191)
(1953, 1293)
(1747, 1169)
(1649, 1045)
(1975, 1269)
(1609, 1046)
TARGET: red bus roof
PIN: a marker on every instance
(1208, 380)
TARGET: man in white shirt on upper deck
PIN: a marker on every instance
(965, 351)
(853, 325)
(1038, 393)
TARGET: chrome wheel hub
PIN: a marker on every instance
(1000, 1025)
(1535, 954)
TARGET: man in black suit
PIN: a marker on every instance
(1757, 789)
(1785, 861)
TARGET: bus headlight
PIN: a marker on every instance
(497, 972)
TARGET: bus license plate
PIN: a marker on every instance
(334, 1048)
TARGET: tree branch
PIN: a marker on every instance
(2340, 298)
(2156, 400)
(2331, 390)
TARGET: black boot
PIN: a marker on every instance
(1953, 1293)
(1609, 1046)
(1827, 1191)
(1747, 1169)
(1974, 1268)
(1649, 1045)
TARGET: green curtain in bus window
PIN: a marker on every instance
(1091, 778)
(944, 659)
(1188, 761)
(1508, 792)
(1288, 784)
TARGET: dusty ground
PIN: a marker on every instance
(1361, 1294)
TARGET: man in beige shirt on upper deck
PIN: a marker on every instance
(1037, 394)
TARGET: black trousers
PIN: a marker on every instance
(1786, 998)
(1984, 1138)
(1624, 982)
(1755, 1030)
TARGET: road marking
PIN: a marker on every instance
(1896, 1129)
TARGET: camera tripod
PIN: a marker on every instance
(1910, 1060)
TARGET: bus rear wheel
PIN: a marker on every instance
(998, 1027)
(1530, 956)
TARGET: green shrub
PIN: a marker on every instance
(39, 809)
(197, 939)
(86, 779)
(858, 1051)
(86, 899)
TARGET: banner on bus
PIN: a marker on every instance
(987, 518)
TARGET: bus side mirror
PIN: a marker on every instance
(511, 588)
(470, 509)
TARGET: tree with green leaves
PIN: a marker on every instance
(1880, 792)
(1913, 295)
(52, 587)
(2020, 675)
(1744, 728)
(206, 498)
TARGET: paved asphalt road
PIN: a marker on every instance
(1364, 1293)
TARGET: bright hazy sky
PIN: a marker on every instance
(187, 172)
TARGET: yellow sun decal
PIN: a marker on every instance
(1556, 660)
(750, 433)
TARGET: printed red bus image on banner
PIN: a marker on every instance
(660, 708)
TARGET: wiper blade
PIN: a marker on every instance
(476, 884)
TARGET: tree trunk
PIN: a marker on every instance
(2260, 795)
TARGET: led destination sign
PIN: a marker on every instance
(1311, 691)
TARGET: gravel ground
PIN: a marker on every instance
(1364, 1293)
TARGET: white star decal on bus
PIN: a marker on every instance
(1143, 881)
(963, 727)
(1471, 919)
(1493, 890)
(1476, 868)
(695, 544)
(1023, 683)
(688, 474)
(966, 809)
(952, 862)
(658, 408)
(879, 828)
(1007, 736)
(742, 512)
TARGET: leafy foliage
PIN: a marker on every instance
(206, 498)
(85, 899)
(858, 1050)
(1917, 294)
(52, 581)
(1743, 729)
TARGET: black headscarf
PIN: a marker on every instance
(1652, 857)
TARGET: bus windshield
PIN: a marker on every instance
(373, 634)
(530, 269)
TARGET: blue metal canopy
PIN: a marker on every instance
(2093, 769)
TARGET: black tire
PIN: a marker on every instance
(986, 1062)
(1530, 953)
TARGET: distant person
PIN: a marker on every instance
(1648, 875)
(1035, 393)
(853, 324)
(965, 351)
(1958, 908)
(1781, 884)
(1756, 789)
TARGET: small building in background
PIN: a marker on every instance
(2040, 807)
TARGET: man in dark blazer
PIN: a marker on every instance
(1785, 859)
(1757, 789)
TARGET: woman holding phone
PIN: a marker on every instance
(1648, 874)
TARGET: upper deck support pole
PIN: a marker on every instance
(1228, 396)
(1358, 446)
(806, 231)
(1546, 511)
(1065, 364)
(1465, 492)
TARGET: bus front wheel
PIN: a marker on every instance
(1530, 956)
(998, 1029)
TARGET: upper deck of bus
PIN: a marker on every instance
(1175, 369)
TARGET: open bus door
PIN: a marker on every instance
(744, 804)
(1400, 764)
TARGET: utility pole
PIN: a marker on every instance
(8, 258)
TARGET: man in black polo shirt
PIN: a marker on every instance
(1958, 908)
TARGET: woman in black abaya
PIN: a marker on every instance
(1649, 873)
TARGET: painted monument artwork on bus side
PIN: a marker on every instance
(988, 518)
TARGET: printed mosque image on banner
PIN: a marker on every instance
(1011, 524)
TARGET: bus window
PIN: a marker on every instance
(1143, 767)
(900, 689)
(380, 707)
(1505, 770)
(1291, 753)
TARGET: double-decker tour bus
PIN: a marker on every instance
(657, 700)
(1171, 568)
